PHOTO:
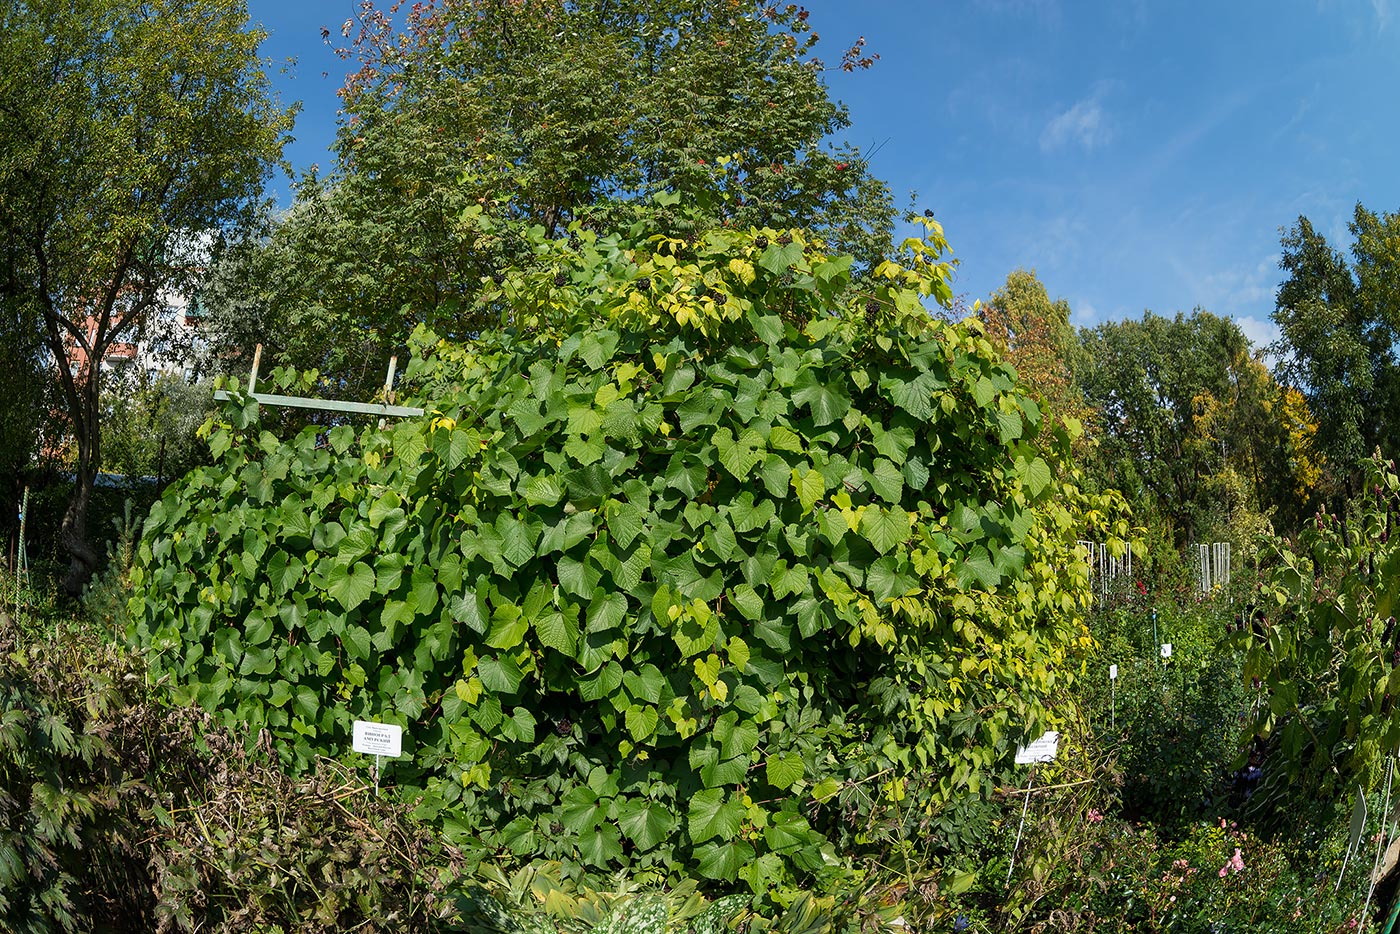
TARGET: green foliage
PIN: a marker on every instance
(1215, 877)
(1172, 725)
(74, 749)
(1041, 343)
(122, 814)
(1321, 648)
(22, 396)
(132, 129)
(540, 900)
(257, 850)
(1068, 798)
(691, 569)
(1338, 322)
(150, 424)
(540, 114)
(1194, 429)
(1131, 827)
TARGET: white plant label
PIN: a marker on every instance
(1043, 749)
(1166, 650)
(1113, 672)
(378, 739)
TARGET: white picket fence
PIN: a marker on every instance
(1104, 567)
(1214, 567)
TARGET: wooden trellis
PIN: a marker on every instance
(383, 410)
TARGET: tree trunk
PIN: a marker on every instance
(82, 393)
(72, 533)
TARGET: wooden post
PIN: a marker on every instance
(253, 374)
(389, 386)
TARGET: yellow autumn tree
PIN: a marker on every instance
(1041, 344)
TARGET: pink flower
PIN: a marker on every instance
(1233, 864)
(1095, 815)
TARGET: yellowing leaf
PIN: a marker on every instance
(743, 269)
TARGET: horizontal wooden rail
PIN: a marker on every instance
(329, 405)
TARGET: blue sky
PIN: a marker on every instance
(1138, 154)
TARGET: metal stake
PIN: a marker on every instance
(1380, 843)
(1025, 807)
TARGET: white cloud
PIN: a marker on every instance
(1083, 124)
(1355, 16)
(1242, 291)
(1261, 331)
(1083, 315)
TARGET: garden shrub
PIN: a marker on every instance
(253, 849)
(693, 566)
(1213, 876)
(123, 814)
(1083, 867)
(1174, 726)
(1322, 654)
(72, 741)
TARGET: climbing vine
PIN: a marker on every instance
(1322, 649)
(695, 564)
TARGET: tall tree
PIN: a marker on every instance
(131, 129)
(544, 112)
(1040, 342)
(1340, 322)
(1193, 427)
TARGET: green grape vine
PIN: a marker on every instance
(699, 563)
